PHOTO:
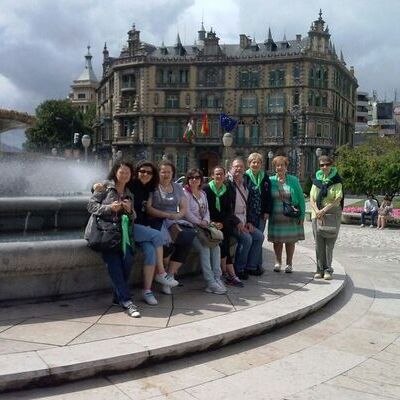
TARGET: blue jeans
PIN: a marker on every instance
(210, 261)
(261, 223)
(119, 269)
(148, 239)
(373, 215)
(249, 250)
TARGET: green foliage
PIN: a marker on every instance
(373, 167)
(57, 120)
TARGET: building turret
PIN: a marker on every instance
(269, 43)
(319, 36)
(202, 33)
(133, 40)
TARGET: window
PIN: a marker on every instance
(181, 164)
(296, 72)
(248, 104)
(319, 130)
(211, 77)
(276, 103)
(168, 129)
(318, 76)
(81, 96)
(277, 78)
(296, 98)
(127, 127)
(128, 81)
(326, 131)
(240, 133)
(249, 79)
(255, 133)
(172, 101)
(295, 129)
(275, 128)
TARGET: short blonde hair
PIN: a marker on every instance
(254, 156)
(279, 159)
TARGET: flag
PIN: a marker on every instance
(227, 123)
(189, 133)
(205, 130)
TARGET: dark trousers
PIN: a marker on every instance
(372, 214)
(119, 268)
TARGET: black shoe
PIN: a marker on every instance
(243, 275)
(256, 272)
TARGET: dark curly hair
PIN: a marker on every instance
(155, 179)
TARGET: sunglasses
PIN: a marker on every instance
(195, 177)
(325, 165)
(144, 171)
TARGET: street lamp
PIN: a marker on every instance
(118, 154)
(318, 152)
(227, 140)
(86, 143)
(270, 156)
(54, 152)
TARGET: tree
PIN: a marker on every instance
(373, 167)
(56, 123)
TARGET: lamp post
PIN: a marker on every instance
(318, 153)
(54, 152)
(86, 143)
(270, 156)
(227, 140)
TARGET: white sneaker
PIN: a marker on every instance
(221, 284)
(132, 311)
(318, 276)
(166, 289)
(327, 276)
(277, 267)
(371, 226)
(167, 280)
(215, 288)
(362, 226)
(149, 298)
(289, 269)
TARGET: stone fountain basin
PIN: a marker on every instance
(24, 214)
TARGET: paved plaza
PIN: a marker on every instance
(349, 349)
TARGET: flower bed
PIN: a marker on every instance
(395, 212)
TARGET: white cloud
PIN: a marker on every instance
(44, 41)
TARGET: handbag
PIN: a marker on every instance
(288, 209)
(103, 235)
(210, 236)
(182, 234)
(327, 226)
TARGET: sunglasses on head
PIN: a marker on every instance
(195, 177)
(144, 171)
(325, 165)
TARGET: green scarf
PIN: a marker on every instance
(256, 179)
(125, 228)
(218, 193)
(325, 179)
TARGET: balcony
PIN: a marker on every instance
(273, 140)
(172, 85)
(246, 141)
(172, 111)
(318, 110)
(316, 141)
(208, 140)
(124, 140)
(169, 140)
(122, 111)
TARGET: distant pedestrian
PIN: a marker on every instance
(370, 209)
(384, 211)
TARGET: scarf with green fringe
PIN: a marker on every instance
(218, 193)
(256, 179)
(125, 230)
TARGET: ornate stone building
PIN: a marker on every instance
(290, 97)
(83, 90)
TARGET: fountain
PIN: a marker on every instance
(42, 219)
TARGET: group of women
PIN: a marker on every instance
(156, 206)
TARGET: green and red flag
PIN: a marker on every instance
(188, 135)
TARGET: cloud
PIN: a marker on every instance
(44, 41)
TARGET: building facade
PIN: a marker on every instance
(290, 97)
(83, 89)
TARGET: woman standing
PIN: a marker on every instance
(326, 196)
(383, 212)
(115, 204)
(259, 186)
(220, 202)
(283, 229)
(168, 205)
(198, 214)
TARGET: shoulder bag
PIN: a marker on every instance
(288, 209)
(103, 235)
(327, 226)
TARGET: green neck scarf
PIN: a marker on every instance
(324, 179)
(218, 193)
(256, 179)
(125, 228)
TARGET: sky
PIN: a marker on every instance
(43, 42)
